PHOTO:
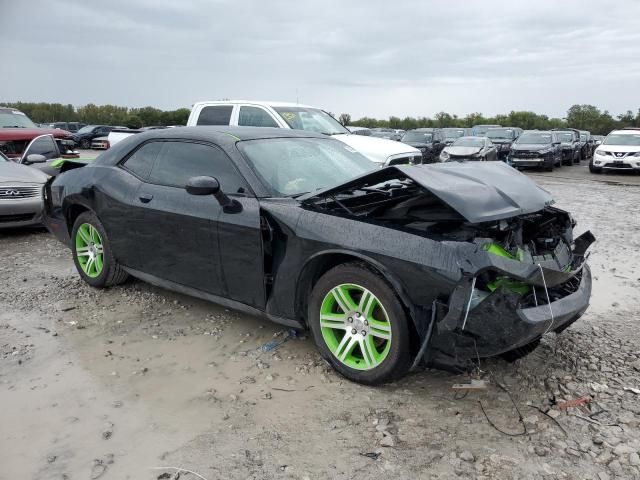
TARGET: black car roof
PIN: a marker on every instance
(222, 133)
(223, 136)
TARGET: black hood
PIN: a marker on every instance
(479, 191)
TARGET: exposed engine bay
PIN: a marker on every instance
(517, 256)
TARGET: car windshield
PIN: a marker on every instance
(501, 133)
(417, 137)
(15, 119)
(87, 129)
(311, 119)
(294, 166)
(622, 139)
(534, 138)
(453, 132)
(469, 142)
(566, 137)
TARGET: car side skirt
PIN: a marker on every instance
(224, 302)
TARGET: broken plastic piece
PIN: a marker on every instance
(578, 402)
(473, 385)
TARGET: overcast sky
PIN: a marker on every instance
(365, 58)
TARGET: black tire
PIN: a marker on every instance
(85, 143)
(593, 169)
(520, 352)
(112, 273)
(397, 362)
(576, 159)
(549, 167)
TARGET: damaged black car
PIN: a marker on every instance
(389, 268)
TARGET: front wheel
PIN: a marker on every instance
(85, 143)
(593, 169)
(92, 253)
(359, 325)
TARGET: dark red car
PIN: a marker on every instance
(17, 131)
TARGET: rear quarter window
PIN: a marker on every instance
(142, 160)
(215, 115)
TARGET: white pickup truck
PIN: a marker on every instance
(246, 113)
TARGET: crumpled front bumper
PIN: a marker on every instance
(501, 321)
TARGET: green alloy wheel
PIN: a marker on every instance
(92, 253)
(359, 324)
(89, 250)
(355, 326)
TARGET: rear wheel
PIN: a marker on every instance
(85, 143)
(359, 325)
(92, 253)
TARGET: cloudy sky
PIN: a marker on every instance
(374, 58)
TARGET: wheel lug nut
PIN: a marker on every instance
(366, 322)
(350, 319)
(357, 314)
(354, 331)
(364, 333)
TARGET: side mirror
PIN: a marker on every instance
(34, 158)
(203, 186)
(211, 186)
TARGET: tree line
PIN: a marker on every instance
(101, 114)
(583, 117)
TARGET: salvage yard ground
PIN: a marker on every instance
(134, 382)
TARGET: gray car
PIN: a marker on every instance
(470, 148)
(20, 194)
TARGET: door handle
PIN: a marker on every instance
(145, 197)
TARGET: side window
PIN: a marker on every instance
(141, 162)
(215, 115)
(179, 161)
(255, 117)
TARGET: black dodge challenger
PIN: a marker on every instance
(434, 264)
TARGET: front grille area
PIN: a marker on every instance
(618, 165)
(17, 218)
(520, 154)
(14, 193)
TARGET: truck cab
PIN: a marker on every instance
(246, 113)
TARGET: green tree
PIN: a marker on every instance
(133, 121)
(345, 119)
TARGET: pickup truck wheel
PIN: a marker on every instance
(92, 253)
(359, 325)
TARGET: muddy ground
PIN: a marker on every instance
(130, 382)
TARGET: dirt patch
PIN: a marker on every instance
(112, 384)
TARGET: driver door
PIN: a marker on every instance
(46, 146)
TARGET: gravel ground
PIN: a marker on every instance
(135, 382)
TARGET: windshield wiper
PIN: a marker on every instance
(13, 126)
(296, 195)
